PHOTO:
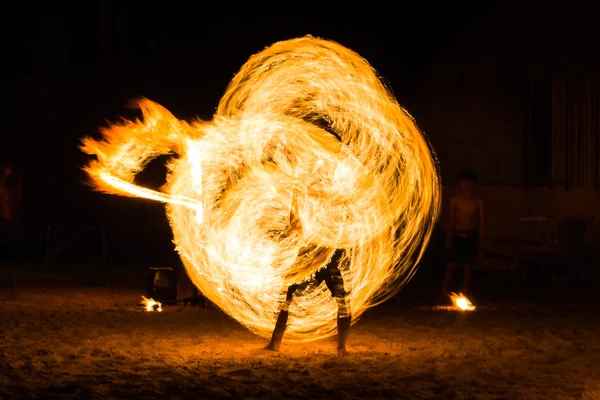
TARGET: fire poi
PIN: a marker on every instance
(306, 117)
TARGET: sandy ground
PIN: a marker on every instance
(88, 339)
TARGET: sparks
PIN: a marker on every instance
(375, 192)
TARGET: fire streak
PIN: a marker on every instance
(229, 190)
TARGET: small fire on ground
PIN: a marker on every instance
(151, 305)
(461, 302)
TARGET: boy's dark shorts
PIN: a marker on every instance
(465, 246)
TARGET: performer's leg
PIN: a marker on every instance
(282, 319)
(470, 257)
(335, 283)
(455, 256)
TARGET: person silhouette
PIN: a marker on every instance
(10, 232)
(331, 275)
(466, 233)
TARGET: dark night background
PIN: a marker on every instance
(476, 76)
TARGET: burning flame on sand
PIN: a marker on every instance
(151, 305)
(374, 191)
(461, 302)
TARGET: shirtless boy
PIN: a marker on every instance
(466, 231)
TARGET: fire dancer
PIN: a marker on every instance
(332, 277)
(466, 231)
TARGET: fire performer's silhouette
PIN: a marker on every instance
(332, 276)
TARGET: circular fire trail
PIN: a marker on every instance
(306, 124)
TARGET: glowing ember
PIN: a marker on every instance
(461, 302)
(151, 305)
(229, 192)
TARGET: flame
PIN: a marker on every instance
(231, 183)
(151, 304)
(461, 302)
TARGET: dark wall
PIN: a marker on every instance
(485, 100)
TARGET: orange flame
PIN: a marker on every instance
(230, 186)
(151, 304)
(461, 302)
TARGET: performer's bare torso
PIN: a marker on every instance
(466, 211)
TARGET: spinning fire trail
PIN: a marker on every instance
(371, 188)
